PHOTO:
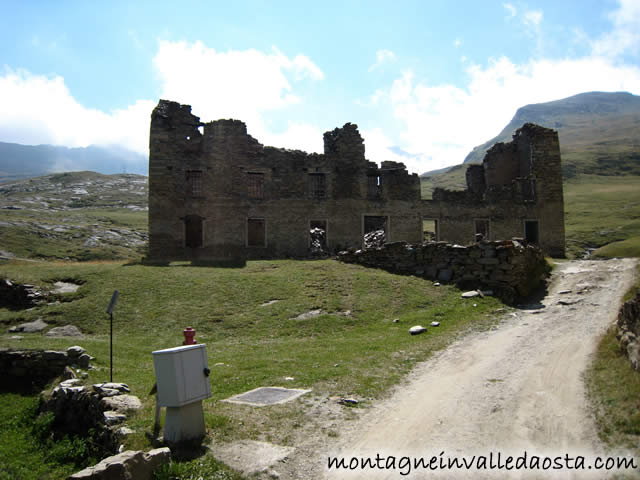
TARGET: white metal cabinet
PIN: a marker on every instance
(181, 375)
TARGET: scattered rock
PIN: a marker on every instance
(396, 320)
(348, 401)
(83, 361)
(126, 465)
(564, 292)
(121, 403)
(471, 294)
(310, 314)
(72, 382)
(113, 418)
(29, 327)
(270, 302)
(417, 330)
(75, 351)
(16, 337)
(436, 284)
(289, 379)
(435, 324)
(66, 331)
(65, 287)
(569, 302)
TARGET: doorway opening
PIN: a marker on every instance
(376, 228)
(193, 231)
(531, 231)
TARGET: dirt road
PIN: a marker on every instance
(516, 388)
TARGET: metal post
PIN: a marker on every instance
(111, 347)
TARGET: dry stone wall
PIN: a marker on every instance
(512, 268)
(629, 330)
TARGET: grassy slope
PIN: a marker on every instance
(359, 355)
(614, 390)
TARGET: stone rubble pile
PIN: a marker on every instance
(318, 241)
(374, 239)
(629, 330)
(131, 464)
(511, 268)
(15, 296)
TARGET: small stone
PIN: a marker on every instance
(16, 337)
(66, 331)
(121, 403)
(83, 360)
(72, 382)
(289, 379)
(348, 401)
(436, 284)
(396, 320)
(471, 294)
(75, 351)
(417, 330)
(121, 387)
(564, 292)
(113, 418)
(435, 324)
(124, 431)
(30, 327)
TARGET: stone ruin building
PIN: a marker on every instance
(217, 194)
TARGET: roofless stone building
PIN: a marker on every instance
(217, 194)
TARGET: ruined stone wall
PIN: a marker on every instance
(511, 269)
(243, 185)
(216, 193)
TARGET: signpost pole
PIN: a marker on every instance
(112, 303)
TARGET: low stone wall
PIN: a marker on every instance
(511, 268)
(629, 330)
(33, 369)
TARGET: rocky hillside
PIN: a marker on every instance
(74, 216)
(599, 132)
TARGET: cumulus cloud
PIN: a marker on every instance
(37, 109)
(240, 84)
(511, 10)
(444, 122)
(625, 35)
(382, 56)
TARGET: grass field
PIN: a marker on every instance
(354, 349)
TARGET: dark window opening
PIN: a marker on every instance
(529, 190)
(481, 229)
(256, 234)
(255, 182)
(375, 231)
(374, 187)
(317, 186)
(429, 230)
(193, 231)
(194, 182)
(318, 237)
(531, 231)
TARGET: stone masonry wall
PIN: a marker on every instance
(511, 269)
(629, 330)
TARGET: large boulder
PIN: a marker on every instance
(129, 465)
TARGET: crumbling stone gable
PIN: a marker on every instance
(517, 189)
(217, 194)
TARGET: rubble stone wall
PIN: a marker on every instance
(25, 368)
(512, 269)
(216, 193)
(629, 330)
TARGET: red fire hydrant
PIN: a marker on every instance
(189, 336)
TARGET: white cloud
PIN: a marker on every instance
(445, 122)
(533, 17)
(457, 42)
(382, 56)
(37, 109)
(625, 35)
(232, 84)
(511, 10)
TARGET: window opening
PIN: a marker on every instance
(318, 237)
(481, 229)
(529, 190)
(317, 186)
(256, 235)
(193, 231)
(531, 231)
(194, 182)
(255, 182)
(374, 186)
(429, 230)
(375, 231)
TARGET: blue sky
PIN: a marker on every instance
(424, 80)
